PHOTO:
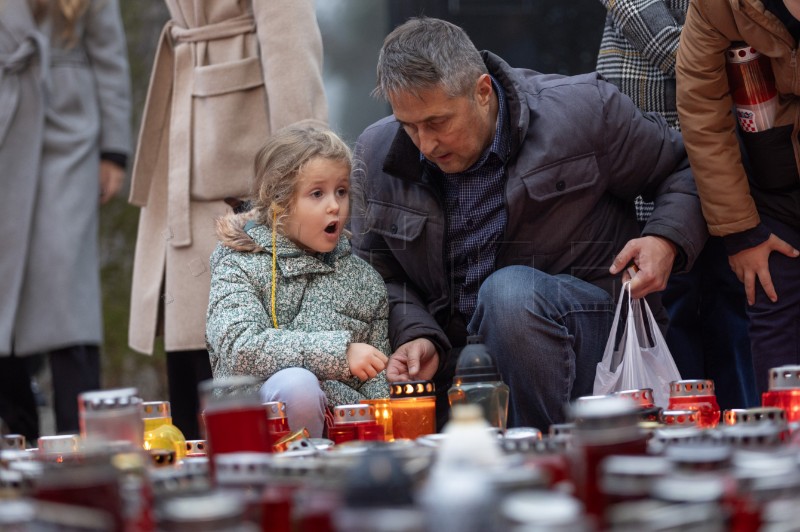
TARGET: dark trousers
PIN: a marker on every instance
(707, 332)
(17, 404)
(185, 370)
(775, 327)
(74, 370)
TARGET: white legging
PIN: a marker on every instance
(305, 401)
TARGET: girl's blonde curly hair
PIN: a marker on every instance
(277, 168)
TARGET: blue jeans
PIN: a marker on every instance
(547, 333)
(775, 327)
(707, 332)
(305, 401)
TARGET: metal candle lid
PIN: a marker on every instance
(604, 420)
(156, 409)
(680, 418)
(631, 475)
(741, 54)
(109, 399)
(207, 511)
(403, 390)
(745, 436)
(13, 441)
(61, 444)
(196, 447)
(642, 397)
(691, 388)
(275, 410)
(353, 414)
(755, 416)
(784, 378)
(242, 468)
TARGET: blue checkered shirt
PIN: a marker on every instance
(476, 214)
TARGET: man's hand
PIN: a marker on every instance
(653, 256)
(111, 177)
(414, 360)
(754, 262)
(365, 361)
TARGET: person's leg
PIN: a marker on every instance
(17, 404)
(185, 370)
(775, 327)
(684, 337)
(74, 370)
(547, 334)
(300, 391)
(723, 314)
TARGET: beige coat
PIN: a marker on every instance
(704, 102)
(226, 74)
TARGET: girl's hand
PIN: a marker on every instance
(365, 361)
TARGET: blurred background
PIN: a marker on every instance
(546, 35)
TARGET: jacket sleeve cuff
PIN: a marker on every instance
(736, 242)
(120, 159)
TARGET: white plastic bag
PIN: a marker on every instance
(641, 359)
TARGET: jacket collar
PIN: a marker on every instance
(403, 158)
(753, 12)
(294, 261)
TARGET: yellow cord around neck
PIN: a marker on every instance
(274, 265)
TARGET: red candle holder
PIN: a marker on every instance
(234, 415)
(695, 394)
(604, 426)
(355, 422)
(277, 421)
(680, 418)
(784, 391)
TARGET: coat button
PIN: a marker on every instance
(561, 186)
(394, 229)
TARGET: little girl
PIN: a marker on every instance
(289, 303)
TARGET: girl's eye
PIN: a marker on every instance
(316, 194)
(342, 192)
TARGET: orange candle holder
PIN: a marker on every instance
(413, 409)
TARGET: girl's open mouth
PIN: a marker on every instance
(331, 228)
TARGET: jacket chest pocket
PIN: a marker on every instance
(398, 226)
(560, 200)
(562, 178)
(229, 125)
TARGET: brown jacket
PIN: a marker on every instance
(226, 74)
(704, 102)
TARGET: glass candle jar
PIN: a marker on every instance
(354, 422)
(59, 448)
(159, 432)
(603, 427)
(696, 394)
(277, 421)
(234, 417)
(111, 415)
(383, 415)
(784, 391)
(92, 482)
(413, 408)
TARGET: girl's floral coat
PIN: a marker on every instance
(323, 302)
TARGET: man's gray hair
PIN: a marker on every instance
(426, 53)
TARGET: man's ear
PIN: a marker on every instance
(484, 89)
